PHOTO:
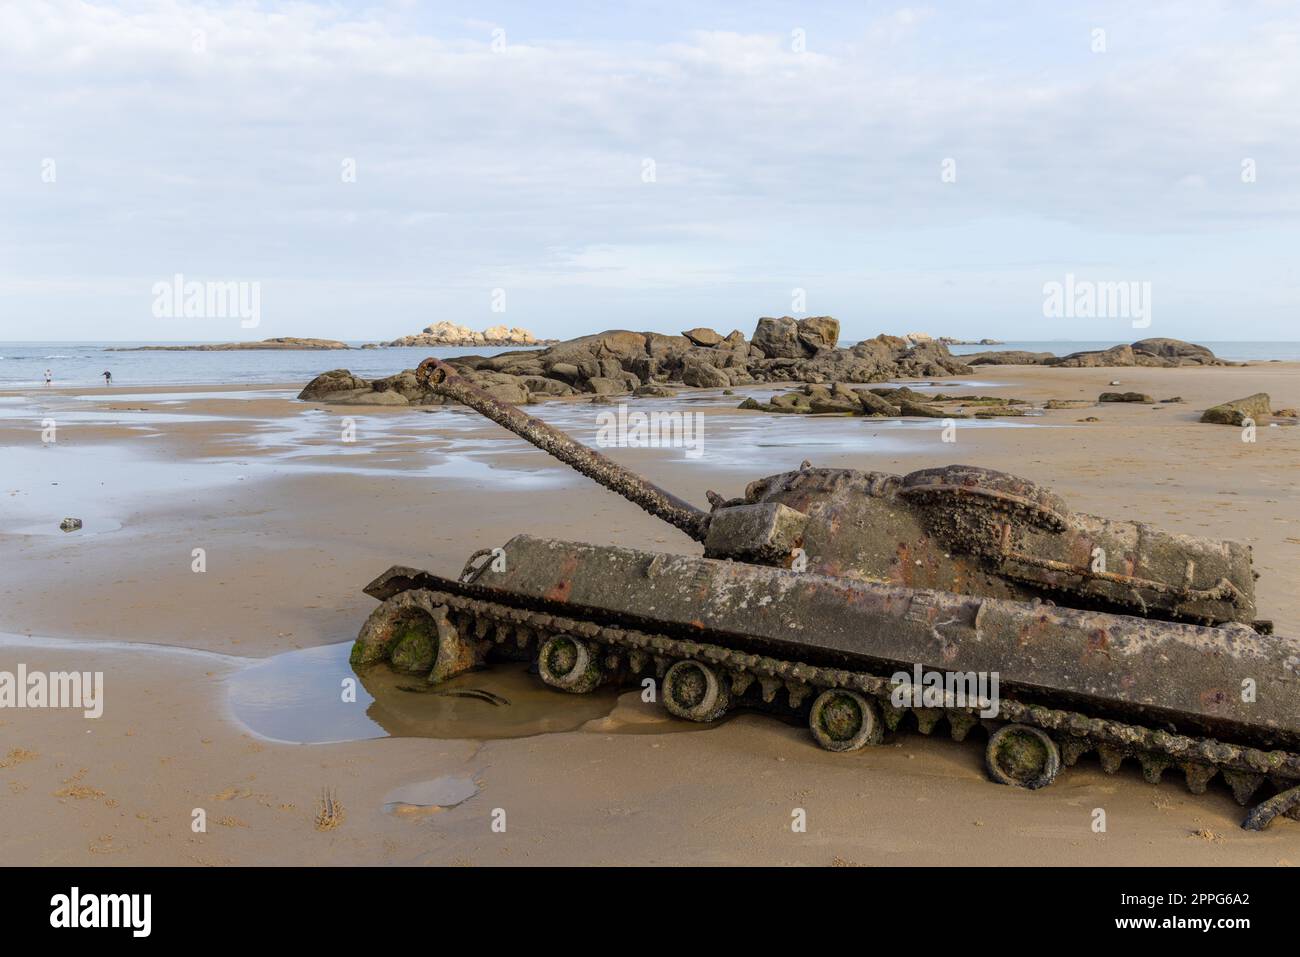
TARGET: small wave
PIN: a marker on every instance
(58, 357)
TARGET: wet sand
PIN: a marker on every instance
(293, 521)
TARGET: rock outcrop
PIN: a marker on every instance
(1257, 407)
(1141, 397)
(1114, 356)
(841, 399)
(281, 342)
(453, 334)
(1009, 357)
(1176, 349)
(621, 362)
(1145, 352)
(915, 337)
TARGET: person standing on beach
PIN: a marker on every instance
(108, 377)
(49, 377)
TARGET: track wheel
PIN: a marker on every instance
(1022, 756)
(695, 691)
(568, 663)
(415, 636)
(843, 720)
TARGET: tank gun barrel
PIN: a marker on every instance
(443, 380)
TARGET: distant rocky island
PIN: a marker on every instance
(440, 334)
(915, 337)
(282, 342)
(453, 334)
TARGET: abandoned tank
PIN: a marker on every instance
(871, 603)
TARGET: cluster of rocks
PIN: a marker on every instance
(1145, 352)
(454, 334)
(842, 399)
(620, 362)
(1141, 397)
(915, 337)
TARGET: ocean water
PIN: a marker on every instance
(23, 364)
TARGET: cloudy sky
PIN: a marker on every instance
(655, 166)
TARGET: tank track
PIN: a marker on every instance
(1244, 769)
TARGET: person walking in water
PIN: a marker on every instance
(108, 377)
(49, 376)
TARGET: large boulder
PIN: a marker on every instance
(1141, 397)
(404, 384)
(499, 385)
(819, 333)
(790, 402)
(371, 397)
(1257, 407)
(873, 404)
(1175, 349)
(332, 383)
(541, 385)
(1114, 356)
(929, 359)
(616, 343)
(702, 336)
(835, 400)
(603, 386)
(922, 410)
(778, 338)
(1009, 357)
(666, 349)
(704, 376)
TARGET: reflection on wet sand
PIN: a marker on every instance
(308, 697)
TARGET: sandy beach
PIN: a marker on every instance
(292, 520)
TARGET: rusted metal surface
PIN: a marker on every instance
(442, 379)
(1005, 491)
(1222, 590)
(1160, 673)
(979, 532)
(513, 624)
(1262, 815)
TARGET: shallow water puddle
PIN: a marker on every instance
(302, 697)
(441, 792)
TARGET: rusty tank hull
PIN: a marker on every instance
(1093, 660)
(869, 603)
(853, 659)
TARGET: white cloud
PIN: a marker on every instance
(527, 164)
